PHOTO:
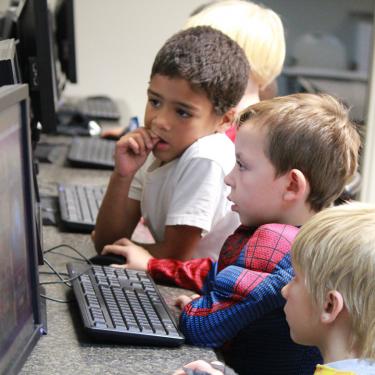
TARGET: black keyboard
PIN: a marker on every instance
(99, 107)
(92, 107)
(92, 153)
(79, 205)
(122, 305)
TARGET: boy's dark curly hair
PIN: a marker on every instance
(210, 61)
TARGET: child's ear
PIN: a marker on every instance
(297, 186)
(333, 305)
(226, 121)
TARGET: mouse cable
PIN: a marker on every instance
(72, 257)
(52, 273)
(69, 247)
(62, 280)
(59, 275)
(56, 299)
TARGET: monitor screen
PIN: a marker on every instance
(33, 29)
(10, 75)
(20, 308)
(65, 38)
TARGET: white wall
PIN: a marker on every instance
(117, 41)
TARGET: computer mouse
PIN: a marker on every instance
(94, 128)
(107, 259)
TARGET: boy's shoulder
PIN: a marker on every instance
(271, 242)
(211, 147)
(276, 231)
(260, 247)
(215, 147)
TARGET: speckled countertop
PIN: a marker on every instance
(66, 349)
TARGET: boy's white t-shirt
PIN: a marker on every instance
(190, 190)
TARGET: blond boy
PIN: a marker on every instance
(330, 303)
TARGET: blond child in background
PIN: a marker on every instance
(294, 155)
(259, 32)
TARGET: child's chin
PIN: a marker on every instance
(163, 157)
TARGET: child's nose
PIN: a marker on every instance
(228, 180)
(161, 121)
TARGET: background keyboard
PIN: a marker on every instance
(122, 305)
(93, 107)
(79, 205)
(92, 152)
(99, 107)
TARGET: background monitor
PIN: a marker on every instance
(9, 68)
(33, 29)
(65, 38)
(20, 307)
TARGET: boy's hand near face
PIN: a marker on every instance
(136, 257)
(132, 150)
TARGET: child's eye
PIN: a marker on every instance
(154, 102)
(241, 167)
(182, 113)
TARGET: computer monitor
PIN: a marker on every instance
(33, 29)
(10, 75)
(65, 38)
(21, 312)
(9, 68)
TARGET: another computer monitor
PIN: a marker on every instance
(20, 308)
(9, 68)
(65, 38)
(34, 32)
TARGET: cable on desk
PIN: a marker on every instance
(62, 281)
(58, 274)
(69, 247)
(52, 273)
(56, 299)
(72, 257)
(66, 282)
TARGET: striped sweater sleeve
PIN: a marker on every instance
(242, 292)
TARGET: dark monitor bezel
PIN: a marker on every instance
(10, 96)
(65, 38)
(35, 52)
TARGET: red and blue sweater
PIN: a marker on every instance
(241, 298)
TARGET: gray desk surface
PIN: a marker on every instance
(66, 349)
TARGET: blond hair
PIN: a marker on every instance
(335, 250)
(311, 133)
(258, 30)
